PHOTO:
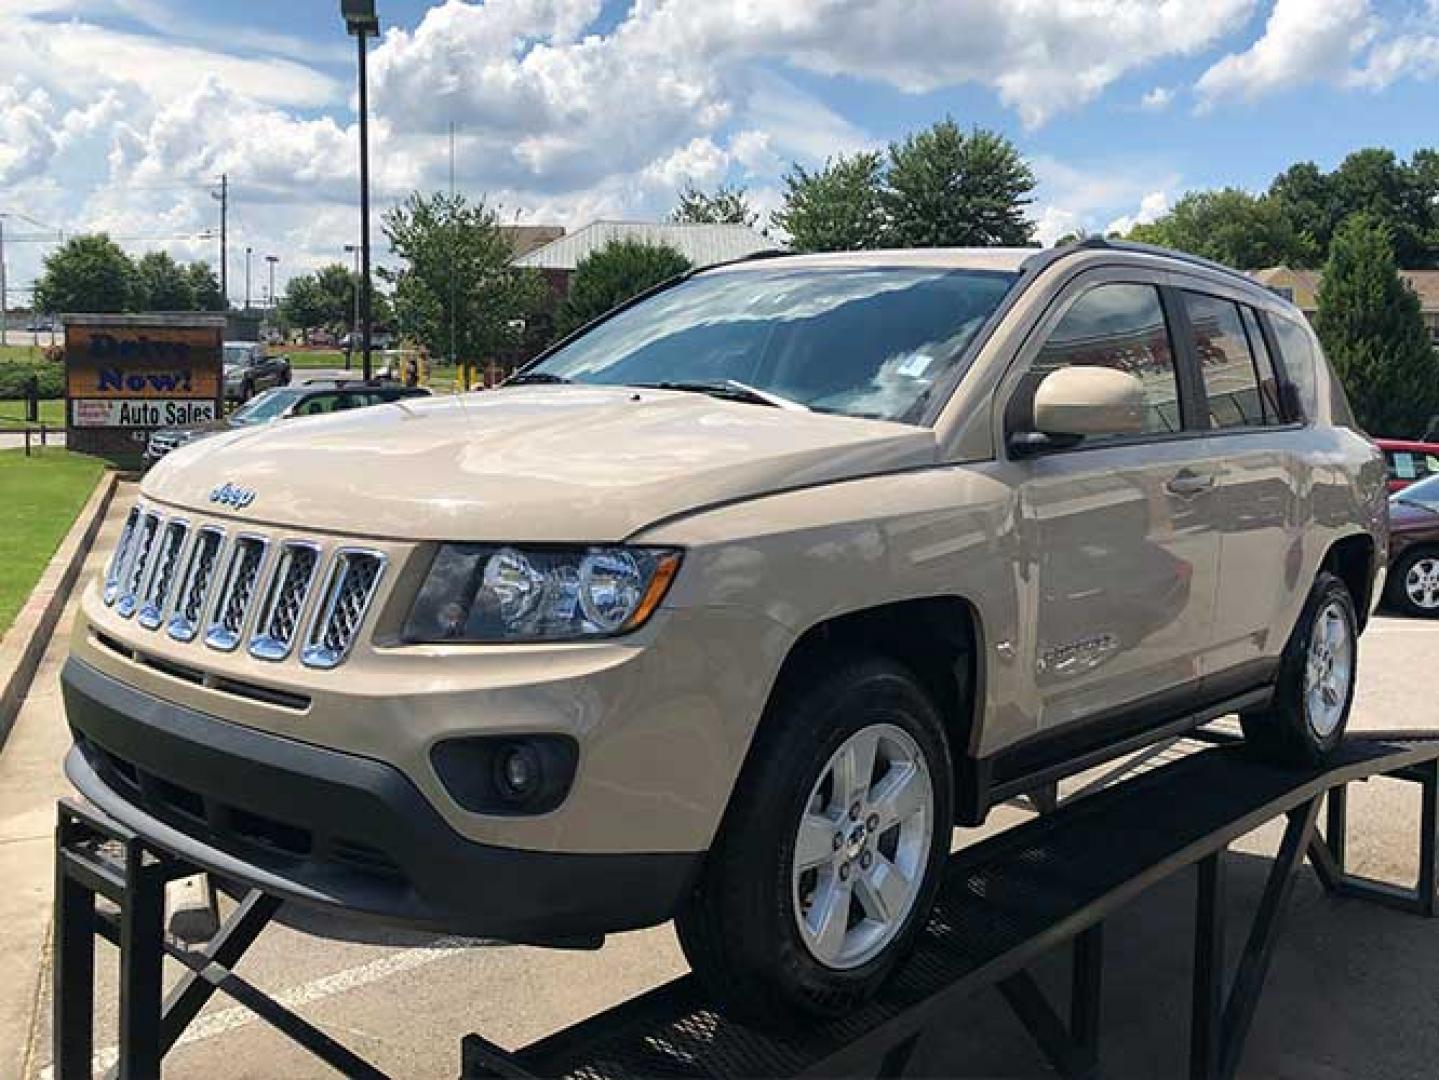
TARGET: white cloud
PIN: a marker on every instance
(1151, 208)
(1111, 197)
(1304, 41)
(1157, 99)
(1414, 56)
(700, 163)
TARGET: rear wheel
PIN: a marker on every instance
(1315, 689)
(830, 853)
(1414, 584)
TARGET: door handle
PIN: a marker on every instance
(1187, 482)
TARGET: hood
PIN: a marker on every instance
(536, 464)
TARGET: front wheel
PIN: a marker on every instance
(1414, 584)
(830, 854)
(1314, 692)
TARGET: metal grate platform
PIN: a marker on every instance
(1004, 902)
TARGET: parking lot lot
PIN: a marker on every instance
(1360, 982)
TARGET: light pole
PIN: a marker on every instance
(362, 21)
(247, 279)
(354, 249)
(272, 260)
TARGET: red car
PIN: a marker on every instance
(1413, 585)
(1408, 461)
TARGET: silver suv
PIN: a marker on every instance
(732, 605)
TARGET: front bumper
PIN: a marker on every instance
(337, 830)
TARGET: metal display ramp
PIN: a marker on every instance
(1004, 903)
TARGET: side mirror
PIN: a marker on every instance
(1082, 401)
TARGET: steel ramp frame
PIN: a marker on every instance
(1008, 901)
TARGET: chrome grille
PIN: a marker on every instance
(137, 561)
(242, 574)
(353, 579)
(289, 588)
(116, 570)
(199, 573)
(156, 594)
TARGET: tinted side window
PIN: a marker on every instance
(1264, 363)
(1119, 326)
(313, 406)
(1231, 380)
(1296, 354)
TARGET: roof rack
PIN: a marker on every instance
(1100, 243)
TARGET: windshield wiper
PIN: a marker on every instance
(536, 378)
(732, 390)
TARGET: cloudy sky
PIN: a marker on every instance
(121, 114)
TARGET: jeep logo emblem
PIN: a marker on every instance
(233, 496)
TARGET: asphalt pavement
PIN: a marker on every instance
(1354, 989)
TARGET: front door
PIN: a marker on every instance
(1118, 550)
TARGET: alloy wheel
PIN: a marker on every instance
(862, 846)
(1421, 584)
(1329, 670)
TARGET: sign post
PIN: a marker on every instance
(126, 375)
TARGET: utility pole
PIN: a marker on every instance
(4, 291)
(247, 277)
(272, 260)
(224, 198)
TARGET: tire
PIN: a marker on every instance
(1414, 584)
(247, 391)
(1314, 692)
(740, 929)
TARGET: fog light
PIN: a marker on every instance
(519, 772)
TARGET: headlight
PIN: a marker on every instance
(489, 593)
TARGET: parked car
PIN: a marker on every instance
(40, 324)
(1408, 461)
(728, 608)
(248, 370)
(1413, 584)
(309, 398)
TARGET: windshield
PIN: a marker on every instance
(862, 341)
(237, 355)
(265, 407)
(1424, 493)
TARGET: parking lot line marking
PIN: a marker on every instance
(341, 982)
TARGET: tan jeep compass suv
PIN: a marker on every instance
(734, 603)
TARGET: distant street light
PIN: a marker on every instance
(362, 21)
(354, 249)
(272, 260)
(247, 277)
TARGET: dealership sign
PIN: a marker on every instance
(139, 412)
(126, 375)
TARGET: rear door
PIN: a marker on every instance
(1256, 505)
(1117, 552)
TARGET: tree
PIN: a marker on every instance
(336, 285)
(304, 305)
(457, 293)
(837, 208)
(205, 287)
(616, 272)
(725, 205)
(946, 188)
(1306, 197)
(88, 273)
(1369, 321)
(162, 284)
(1247, 232)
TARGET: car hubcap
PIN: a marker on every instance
(862, 845)
(1329, 671)
(1421, 584)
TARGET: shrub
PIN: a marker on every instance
(15, 375)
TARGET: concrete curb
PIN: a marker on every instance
(25, 642)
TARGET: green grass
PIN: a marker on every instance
(25, 352)
(316, 358)
(41, 496)
(52, 413)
